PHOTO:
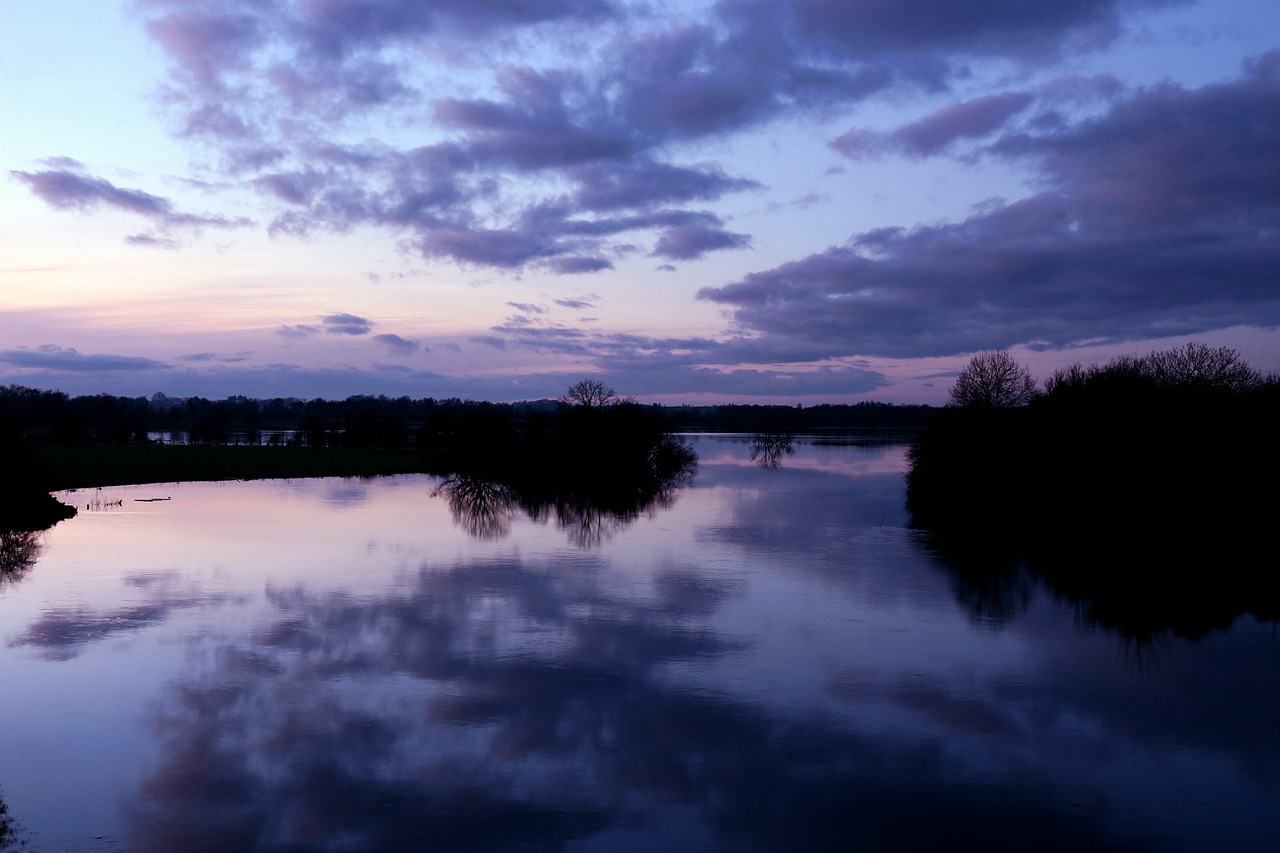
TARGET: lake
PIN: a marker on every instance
(766, 659)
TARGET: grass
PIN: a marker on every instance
(80, 466)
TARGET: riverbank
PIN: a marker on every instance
(83, 466)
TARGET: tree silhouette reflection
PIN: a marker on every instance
(768, 448)
(483, 508)
(1140, 589)
(589, 502)
(11, 835)
(19, 550)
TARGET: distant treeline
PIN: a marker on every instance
(364, 420)
(1143, 486)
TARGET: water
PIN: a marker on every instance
(771, 660)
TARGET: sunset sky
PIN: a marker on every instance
(747, 200)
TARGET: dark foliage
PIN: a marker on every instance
(25, 502)
(1141, 491)
(591, 466)
(11, 835)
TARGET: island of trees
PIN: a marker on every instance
(1143, 490)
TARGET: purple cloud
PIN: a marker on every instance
(73, 190)
(528, 307)
(52, 357)
(578, 304)
(398, 345)
(551, 151)
(579, 265)
(1029, 31)
(298, 331)
(931, 135)
(689, 242)
(1158, 218)
(345, 324)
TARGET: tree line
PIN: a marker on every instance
(367, 420)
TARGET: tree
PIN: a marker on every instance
(1201, 366)
(590, 394)
(992, 379)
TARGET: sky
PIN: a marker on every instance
(766, 201)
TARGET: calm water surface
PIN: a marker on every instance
(772, 661)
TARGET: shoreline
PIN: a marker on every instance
(88, 466)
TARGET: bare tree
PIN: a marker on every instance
(590, 394)
(993, 379)
(1199, 365)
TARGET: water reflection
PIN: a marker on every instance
(1138, 592)
(483, 508)
(11, 835)
(64, 633)
(768, 448)
(494, 706)
(19, 550)
(589, 509)
(778, 664)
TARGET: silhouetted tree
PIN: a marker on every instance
(993, 379)
(590, 394)
(1199, 366)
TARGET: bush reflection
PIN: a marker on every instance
(590, 503)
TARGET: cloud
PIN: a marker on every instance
(70, 189)
(215, 358)
(931, 135)
(551, 151)
(689, 242)
(297, 331)
(398, 345)
(577, 265)
(1160, 217)
(528, 307)
(1031, 32)
(52, 357)
(345, 324)
(583, 302)
(153, 241)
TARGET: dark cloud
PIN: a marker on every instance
(613, 185)
(397, 344)
(975, 118)
(689, 242)
(345, 324)
(576, 265)
(51, 357)
(1033, 32)
(1157, 218)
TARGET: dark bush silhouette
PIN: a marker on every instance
(1141, 490)
(25, 502)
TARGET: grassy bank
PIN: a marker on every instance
(66, 466)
